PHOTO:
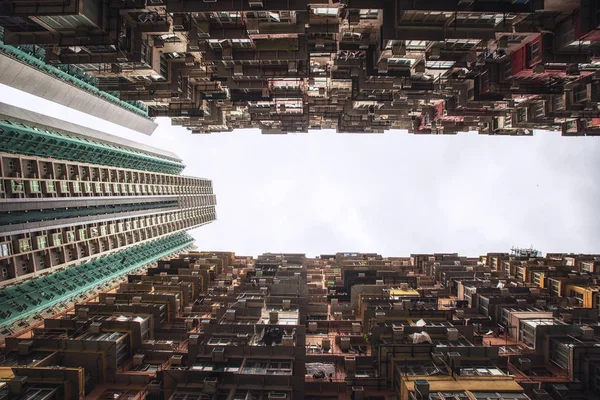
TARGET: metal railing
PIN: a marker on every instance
(25, 299)
(29, 140)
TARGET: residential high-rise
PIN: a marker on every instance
(79, 207)
(210, 325)
(24, 68)
(500, 67)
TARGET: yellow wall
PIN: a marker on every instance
(449, 384)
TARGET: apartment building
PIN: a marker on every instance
(216, 325)
(81, 208)
(356, 66)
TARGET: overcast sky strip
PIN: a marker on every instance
(393, 193)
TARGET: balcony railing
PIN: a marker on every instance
(30, 140)
(26, 299)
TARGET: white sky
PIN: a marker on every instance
(394, 194)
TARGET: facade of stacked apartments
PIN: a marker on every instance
(220, 326)
(499, 67)
(80, 209)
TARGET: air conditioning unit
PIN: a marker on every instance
(227, 54)
(138, 359)
(287, 340)
(286, 304)
(25, 347)
(252, 27)
(230, 315)
(176, 359)
(350, 364)
(587, 333)
(273, 317)
(397, 332)
(312, 326)
(358, 392)
(345, 343)
(380, 316)
(218, 354)
(110, 300)
(524, 364)
(452, 334)
(256, 3)
(382, 66)
(194, 339)
(96, 328)
(83, 313)
(210, 383)
(356, 328)
(292, 67)
(326, 344)
(398, 50)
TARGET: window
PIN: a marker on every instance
(56, 240)
(406, 62)
(439, 64)
(24, 245)
(242, 43)
(426, 17)
(499, 396)
(34, 186)
(369, 14)
(41, 242)
(325, 12)
(580, 93)
(170, 38)
(521, 117)
(580, 43)
(533, 52)
(228, 15)
(4, 250)
(413, 44)
(352, 36)
(560, 353)
(458, 44)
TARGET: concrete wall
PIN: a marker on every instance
(30, 80)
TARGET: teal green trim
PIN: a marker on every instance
(23, 139)
(35, 57)
(26, 299)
